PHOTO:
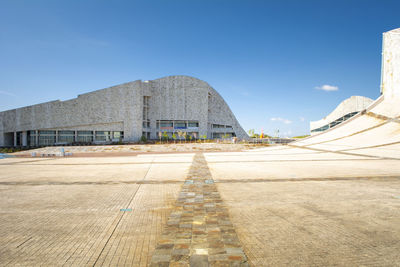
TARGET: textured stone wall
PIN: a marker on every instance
(178, 98)
(120, 108)
(391, 64)
(220, 113)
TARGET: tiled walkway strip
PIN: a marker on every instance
(199, 231)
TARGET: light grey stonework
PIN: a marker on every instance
(120, 108)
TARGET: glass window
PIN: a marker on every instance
(118, 135)
(66, 136)
(47, 138)
(32, 138)
(103, 135)
(85, 136)
(166, 124)
(180, 124)
(193, 124)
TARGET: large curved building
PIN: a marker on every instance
(124, 112)
(344, 111)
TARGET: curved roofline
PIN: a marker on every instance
(350, 102)
(183, 77)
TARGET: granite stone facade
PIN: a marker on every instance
(170, 104)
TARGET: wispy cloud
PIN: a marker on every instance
(301, 118)
(286, 121)
(7, 93)
(327, 88)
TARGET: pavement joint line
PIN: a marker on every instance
(24, 242)
(370, 114)
(92, 164)
(91, 183)
(344, 153)
(121, 216)
(212, 162)
(374, 146)
(20, 162)
(199, 231)
(243, 180)
(327, 179)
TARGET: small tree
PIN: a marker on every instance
(204, 137)
(180, 133)
(165, 136)
(251, 133)
(143, 139)
(174, 137)
(225, 136)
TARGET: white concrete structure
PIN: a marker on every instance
(124, 112)
(344, 111)
(390, 82)
(376, 130)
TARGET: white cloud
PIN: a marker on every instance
(6, 93)
(327, 88)
(302, 118)
(286, 121)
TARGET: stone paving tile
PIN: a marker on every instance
(54, 235)
(74, 224)
(199, 231)
(331, 223)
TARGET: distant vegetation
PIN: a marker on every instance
(301, 136)
(253, 134)
(10, 150)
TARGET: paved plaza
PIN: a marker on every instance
(275, 206)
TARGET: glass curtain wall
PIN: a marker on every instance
(103, 136)
(32, 138)
(47, 138)
(85, 136)
(66, 137)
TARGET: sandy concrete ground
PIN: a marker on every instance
(288, 206)
(67, 211)
(294, 206)
(137, 148)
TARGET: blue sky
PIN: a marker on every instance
(266, 58)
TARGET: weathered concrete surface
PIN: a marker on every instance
(301, 207)
(391, 64)
(288, 206)
(68, 211)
